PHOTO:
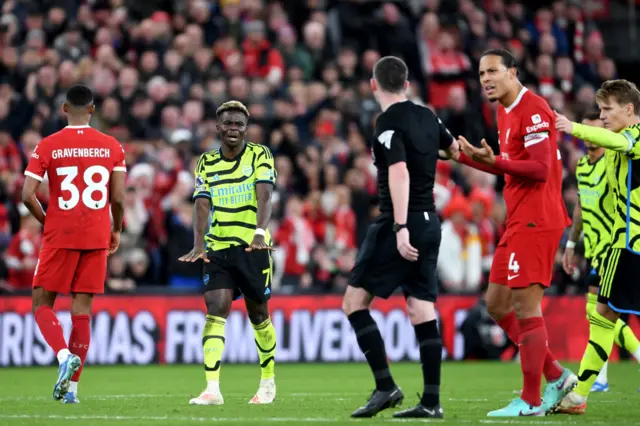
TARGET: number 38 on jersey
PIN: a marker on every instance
(79, 165)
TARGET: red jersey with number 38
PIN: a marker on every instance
(531, 205)
(78, 162)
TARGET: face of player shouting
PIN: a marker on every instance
(232, 127)
(496, 79)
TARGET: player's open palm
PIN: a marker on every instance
(563, 124)
(405, 248)
(114, 243)
(568, 260)
(195, 254)
(258, 243)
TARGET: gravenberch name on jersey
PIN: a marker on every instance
(79, 152)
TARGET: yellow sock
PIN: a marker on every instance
(213, 346)
(592, 300)
(597, 352)
(625, 338)
(265, 335)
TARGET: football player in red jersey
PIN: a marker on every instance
(536, 218)
(85, 169)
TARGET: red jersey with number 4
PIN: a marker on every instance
(531, 205)
(78, 162)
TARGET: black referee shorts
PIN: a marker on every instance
(380, 269)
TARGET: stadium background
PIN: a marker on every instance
(159, 69)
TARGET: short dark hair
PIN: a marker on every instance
(79, 96)
(391, 74)
(236, 106)
(591, 115)
(507, 58)
(622, 91)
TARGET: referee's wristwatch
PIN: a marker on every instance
(397, 227)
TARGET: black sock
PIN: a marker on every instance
(372, 345)
(431, 357)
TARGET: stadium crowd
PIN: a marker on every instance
(159, 69)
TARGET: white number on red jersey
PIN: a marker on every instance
(67, 184)
(513, 264)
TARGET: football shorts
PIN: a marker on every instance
(619, 282)
(522, 259)
(246, 273)
(380, 269)
(71, 271)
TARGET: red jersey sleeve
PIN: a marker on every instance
(120, 164)
(536, 127)
(535, 131)
(38, 162)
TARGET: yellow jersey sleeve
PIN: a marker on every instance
(632, 134)
(265, 168)
(201, 185)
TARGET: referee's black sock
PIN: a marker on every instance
(372, 345)
(431, 357)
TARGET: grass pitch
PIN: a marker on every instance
(317, 394)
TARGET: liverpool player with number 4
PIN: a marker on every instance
(536, 218)
(85, 169)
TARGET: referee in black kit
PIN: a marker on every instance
(401, 246)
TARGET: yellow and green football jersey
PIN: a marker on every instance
(596, 201)
(230, 184)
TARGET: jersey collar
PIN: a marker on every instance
(517, 101)
(244, 148)
(85, 126)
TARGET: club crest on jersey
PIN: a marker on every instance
(247, 170)
(205, 279)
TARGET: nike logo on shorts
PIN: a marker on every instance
(510, 277)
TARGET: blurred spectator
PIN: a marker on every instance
(460, 259)
(303, 68)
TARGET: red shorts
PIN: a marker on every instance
(71, 271)
(522, 259)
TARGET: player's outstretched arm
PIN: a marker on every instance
(620, 142)
(568, 261)
(264, 190)
(201, 209)
(117, 208)
(30, 200)
(464, 157)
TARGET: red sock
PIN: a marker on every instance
(533, 351)
(552, 369)
(50, 328)
(509, 323)
(79, 340)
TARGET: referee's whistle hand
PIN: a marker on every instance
(405, 248)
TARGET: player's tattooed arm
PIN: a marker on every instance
(201, 209)
(264, 191)
(30, 200)
(568, 258)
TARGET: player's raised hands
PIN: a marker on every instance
(482, 155)
(258, 243)
(405, 248)
(195, 254)
(563, 124)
